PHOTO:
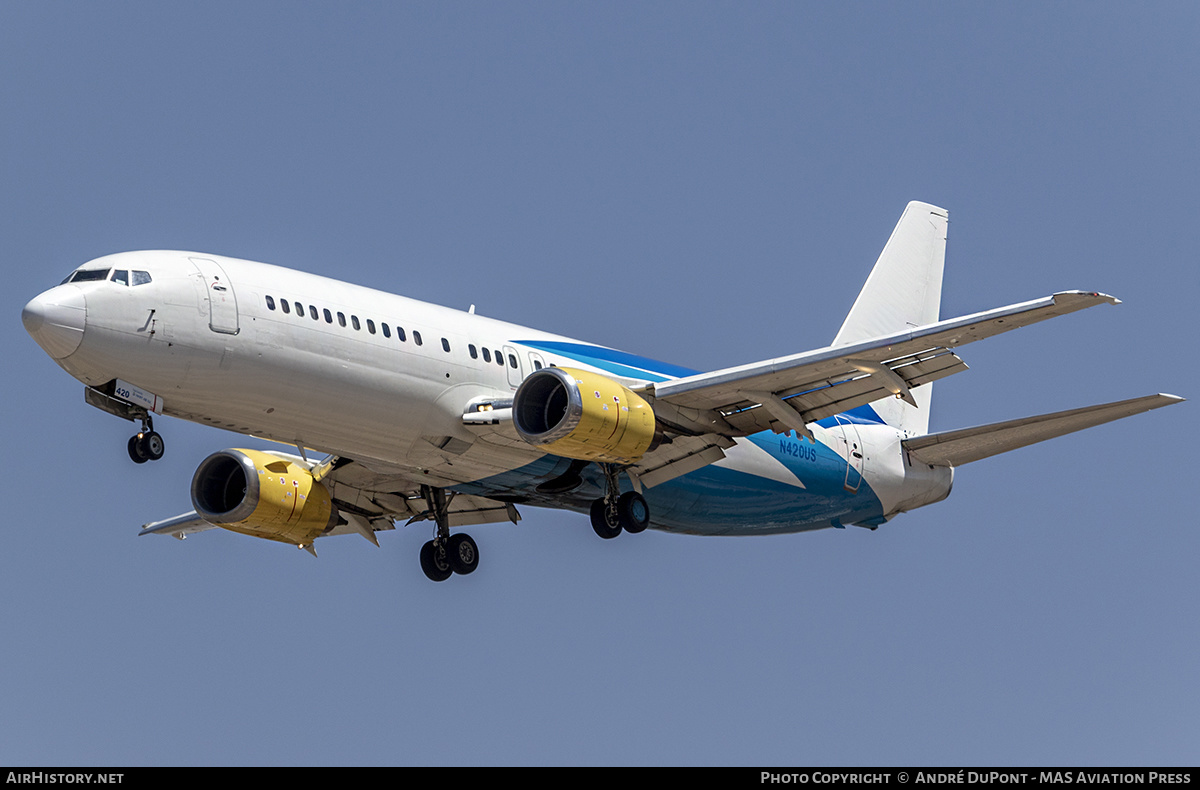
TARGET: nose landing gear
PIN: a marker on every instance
(114, 398)
(146, 444)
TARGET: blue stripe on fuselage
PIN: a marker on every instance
(616, 362)
(859, 415)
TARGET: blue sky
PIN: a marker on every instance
(702, 183)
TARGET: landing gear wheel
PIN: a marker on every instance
(633, 512)
(151, 444)
(136, 453)
(435, 561)
(463, 554)
(605, 520)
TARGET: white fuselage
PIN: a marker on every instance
(211, 337)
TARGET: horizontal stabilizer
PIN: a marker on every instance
(955, 448)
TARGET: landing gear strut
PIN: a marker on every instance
(146, 444)
(446, 554)
(616, 512)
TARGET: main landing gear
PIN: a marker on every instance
(146, 444)
(446, 554)
(616, 512)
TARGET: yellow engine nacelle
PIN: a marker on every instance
(262, 495)
(582, 415)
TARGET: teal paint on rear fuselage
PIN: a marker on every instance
(717, 499)
(721, 500)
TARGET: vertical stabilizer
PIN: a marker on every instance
(904, 290)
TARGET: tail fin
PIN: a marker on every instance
(903, 290)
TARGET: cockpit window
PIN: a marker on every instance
(86, 275)
(140, 277)
(121, 276)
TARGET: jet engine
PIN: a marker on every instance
(581, 415)
(262, 495)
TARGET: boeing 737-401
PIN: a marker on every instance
(418, 412)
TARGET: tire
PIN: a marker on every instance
(136, 453)
(152, 446)
(600, 522)
(436, 564)
(633, 512)
(463, 554)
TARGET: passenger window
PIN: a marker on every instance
(140, 277)
(121, 276)
(354, 322)
(445, 345)
(472, 351)
(386, 332)
(370, 326)
(537, 365)
(512, 360)
(284, 304)
(341, 319)
(400, 334)
(416, 337)
(299, 310)
(487, 355)
(499, 358)
(312, 311)
(270, 303)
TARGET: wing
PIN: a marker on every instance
(790, 392)
(178, 527)
(387, 495)
(955, 448)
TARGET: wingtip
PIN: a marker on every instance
(1090, 295)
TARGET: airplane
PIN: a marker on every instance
(416, 412)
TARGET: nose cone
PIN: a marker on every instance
(56, 320)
